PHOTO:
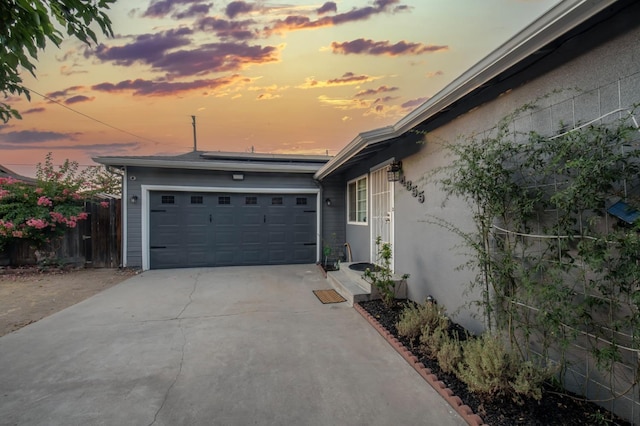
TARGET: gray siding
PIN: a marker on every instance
(334, 216)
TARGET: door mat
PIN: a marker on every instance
(329, 296)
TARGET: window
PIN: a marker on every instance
(357, 200)
(224, 200)
(168, 199)
(300, 201)
(197, 199)
(251, 200)
(276, 201)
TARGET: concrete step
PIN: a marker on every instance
(354, 288)
(350, 284)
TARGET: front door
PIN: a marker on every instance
(381, 210)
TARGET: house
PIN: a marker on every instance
(219, 209)
(213, 208)
(5, 173)
(578, 62)
(594, 46)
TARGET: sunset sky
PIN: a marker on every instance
(281, 77)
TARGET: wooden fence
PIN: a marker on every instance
(95, 243)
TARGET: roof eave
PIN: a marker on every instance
(231, 166)
(554, 23)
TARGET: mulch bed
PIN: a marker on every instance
(555, 408)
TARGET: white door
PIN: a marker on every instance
(381, 210)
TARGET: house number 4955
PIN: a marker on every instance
(413, 189)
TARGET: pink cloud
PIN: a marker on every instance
(414, 103)
(77, 99)
(348, 77)
(239, 30)
(371, 92)
(159, 52)
(236, 8)
(328, 7)
(370, 47)
(140, 87)
(300, 22)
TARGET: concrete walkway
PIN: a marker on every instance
(219, 346)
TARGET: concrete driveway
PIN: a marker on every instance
(214, 346)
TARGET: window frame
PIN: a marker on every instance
(358, 201)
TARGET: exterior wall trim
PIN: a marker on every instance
(346, 195)
(228, 166)
(144, 205)
(125, 222)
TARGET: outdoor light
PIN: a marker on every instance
(328, 201)
(393, 174)
(133, 199)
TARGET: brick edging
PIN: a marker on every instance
(462, 409)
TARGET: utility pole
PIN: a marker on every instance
(195, 141)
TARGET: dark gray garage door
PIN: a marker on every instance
(223, 229)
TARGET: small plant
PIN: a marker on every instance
(331, 260)
(491, 371)
(382, 277)
(415, 317)
(432, 339)
(449, 355)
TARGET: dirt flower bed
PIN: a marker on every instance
(30, 294)
(555, 408)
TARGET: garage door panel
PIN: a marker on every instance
(277, 256)
(226, 237)
(225, 257)
(218, 229)
(250, 237)
(301, 253)
(276, 237)
(250, 218)
(251, 256)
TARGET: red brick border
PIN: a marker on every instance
(464, 410)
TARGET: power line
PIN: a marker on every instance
(90, 117)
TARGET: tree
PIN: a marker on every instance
(42, 213)
(27, 25)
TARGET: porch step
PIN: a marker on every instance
(350, 284)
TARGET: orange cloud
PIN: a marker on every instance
(346, 79)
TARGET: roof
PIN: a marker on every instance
(510, 64)
(5, 172)
(225, 161)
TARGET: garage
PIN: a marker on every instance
(197, 229)
(214, 208)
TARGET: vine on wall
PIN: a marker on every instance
(555, 269)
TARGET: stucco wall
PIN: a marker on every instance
(588, 87)
(606, 78)
(193, 178)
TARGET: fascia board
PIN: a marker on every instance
(229, 166)
(360, 142)
(554, 23)
(550, 26)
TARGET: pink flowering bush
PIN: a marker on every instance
(41, 213)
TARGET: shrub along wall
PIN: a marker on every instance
(557, 243)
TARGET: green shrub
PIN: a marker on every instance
(414, 318)
(489, 370)
(432, 339)
(382, 277)
(449, 355)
